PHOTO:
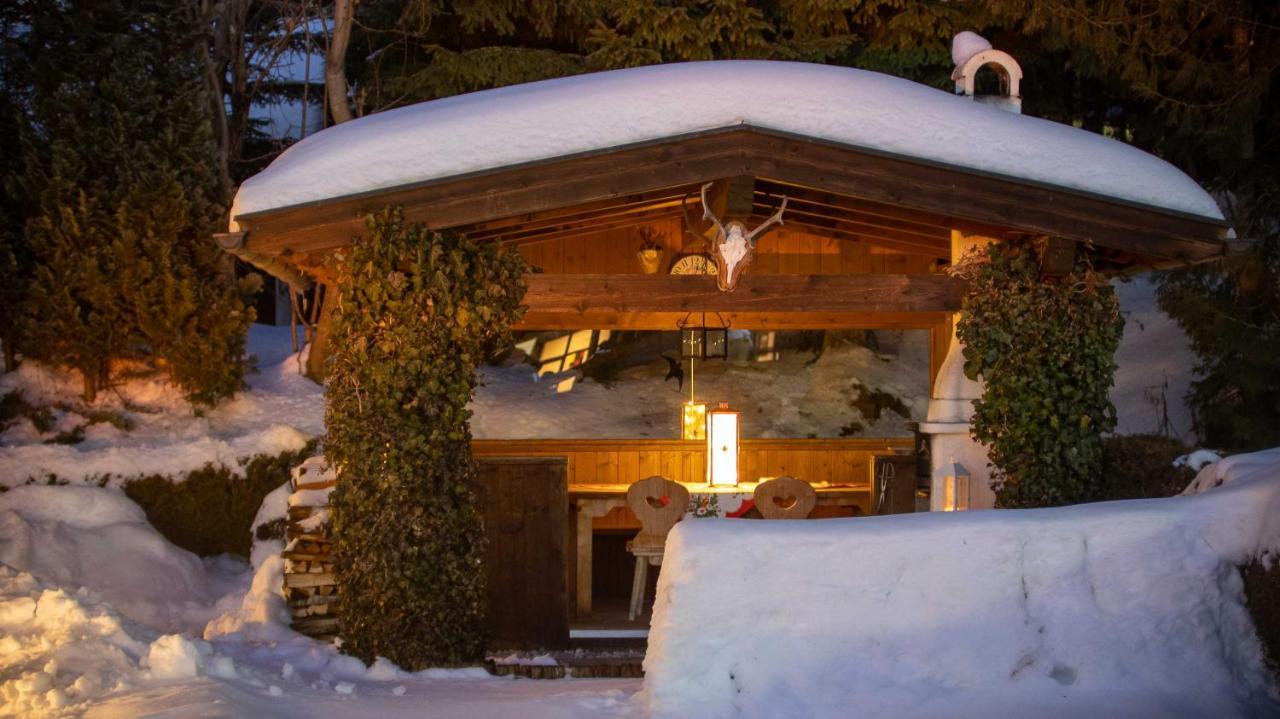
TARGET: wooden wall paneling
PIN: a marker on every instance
(607, 467)
(671, 466)
(585, 471)
(808, 249)
(829, 262)
(629, 467)
(650, 462)
(768, 255)
(533, 254)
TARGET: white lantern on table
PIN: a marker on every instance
(722, 446)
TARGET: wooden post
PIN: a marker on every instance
(326, 295)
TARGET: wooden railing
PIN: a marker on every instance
(623, 461)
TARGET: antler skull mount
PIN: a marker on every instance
(734, 247)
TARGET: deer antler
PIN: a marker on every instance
(689, 223)
(707, 214)
(775, 219)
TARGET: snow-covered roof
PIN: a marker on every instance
(554, 118)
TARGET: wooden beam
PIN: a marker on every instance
(538, 226)
(934, 247)
(755, 293)
(862, 173)
(740, 320)
(893, 215)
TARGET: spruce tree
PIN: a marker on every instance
(122, 169)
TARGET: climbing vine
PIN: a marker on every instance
(417, 312)
(1045, 349)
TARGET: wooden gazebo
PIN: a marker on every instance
(869, 228)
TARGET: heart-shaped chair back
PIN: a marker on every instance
(785, 498)
(658, 503)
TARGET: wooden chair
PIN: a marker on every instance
(645, 499)
(785, 498)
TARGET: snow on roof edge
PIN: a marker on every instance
(523, 125)
(374, 192)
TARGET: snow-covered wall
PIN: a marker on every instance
(1130, 607)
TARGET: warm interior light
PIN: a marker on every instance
(722, 446)
(693, 423)
(955, 487)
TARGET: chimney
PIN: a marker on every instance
(972, 54)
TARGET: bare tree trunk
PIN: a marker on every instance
(335, 75)
(211, 72)
(10, 355)
(91, 382)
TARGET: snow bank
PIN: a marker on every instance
(553, 118)
(59, 650)
(1231, 469)
(1122, 606)
(82, 536)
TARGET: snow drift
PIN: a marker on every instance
(84, 536)
(1123, 606)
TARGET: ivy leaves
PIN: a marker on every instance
(417, 311)
(1045, 350)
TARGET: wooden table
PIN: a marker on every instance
(596, 500)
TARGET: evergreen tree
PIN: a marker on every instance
(122, 169)
(15, 255)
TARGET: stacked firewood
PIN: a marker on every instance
(308, 563)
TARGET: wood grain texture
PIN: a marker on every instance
(785, 498)
(586, 294)
(525, 505)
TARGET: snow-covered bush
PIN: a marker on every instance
(418, 311)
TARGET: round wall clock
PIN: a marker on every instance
(697, 263)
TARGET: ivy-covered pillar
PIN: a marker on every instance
(949, 422)
(417, 312)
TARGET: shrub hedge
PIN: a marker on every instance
(1140, 466)
(210, 510)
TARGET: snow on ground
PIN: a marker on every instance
(553, 118)
(1153, 351)
(1116, 609)
(281, 412)
(786, 398)
(83, 536)
(100, 614)
(1119, 609)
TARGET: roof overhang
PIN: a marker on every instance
(966, 199)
